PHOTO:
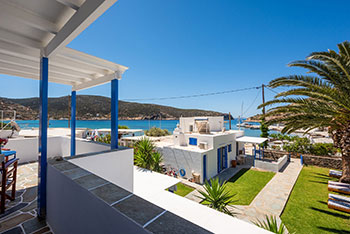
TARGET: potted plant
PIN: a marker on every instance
(3, 141)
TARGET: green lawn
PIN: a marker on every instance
(183, 190)
(247, 183)
(307, 211)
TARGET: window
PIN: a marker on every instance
(192, 141)
(191, 128)
(229, 148)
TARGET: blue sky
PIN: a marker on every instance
(186, 47)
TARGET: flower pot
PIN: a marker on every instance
(233, 163)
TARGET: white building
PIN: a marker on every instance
(201, 146)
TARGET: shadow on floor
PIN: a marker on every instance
(331, 213)
(319, 182)
(239, 174)
(334, 230)
(284, 167)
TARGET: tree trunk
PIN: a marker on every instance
(345, 148)
(341, 139)
(346, 168)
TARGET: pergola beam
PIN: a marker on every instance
(19, 40)
(34, 64)
(85, 15)
(95, 82)
(29, 18)
(89, 59)
(24, 52)
(34, 76)
(74, 4)
(35, 71)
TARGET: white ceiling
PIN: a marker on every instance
(31, 28)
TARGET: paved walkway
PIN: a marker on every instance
(20, 214)
(273, 197)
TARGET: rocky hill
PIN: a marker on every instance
(98, 107)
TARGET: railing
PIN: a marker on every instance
(2, 118)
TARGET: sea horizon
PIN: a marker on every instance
(170, 125)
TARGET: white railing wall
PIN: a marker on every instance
(27, 148)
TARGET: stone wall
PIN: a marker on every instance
(333, 162)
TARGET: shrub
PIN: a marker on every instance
(217, 196)
(104, 139)
(323, 149)
(123, 127)
(303, 145)
(271, 225)
(157, 132)
(146, 155)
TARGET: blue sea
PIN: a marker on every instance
(170, 125)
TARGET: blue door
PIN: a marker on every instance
(225, 158)
(204, 168)
(219, 160)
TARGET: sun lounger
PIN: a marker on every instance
(335, 183)
(339, 187)
(339, 198)
(335, 173)
(339, 205)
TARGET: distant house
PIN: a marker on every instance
(201, 147)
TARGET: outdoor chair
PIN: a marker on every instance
(8, 179)
(339, 187)
(335, 173)
(339, 202)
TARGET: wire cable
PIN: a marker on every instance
(256, 97)
(192, 96)
(271, 90)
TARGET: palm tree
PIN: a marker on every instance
(217, 196)
(319, 99)
(271, 225)
(146, 155)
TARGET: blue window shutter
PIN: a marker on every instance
(229, 148)
(192, 141)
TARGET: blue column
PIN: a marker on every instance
(114, 114)
(72, 122)
(44, 75)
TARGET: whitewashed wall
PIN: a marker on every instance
(115, 166)
(183, 159)
(216, 123)
(27, 148)
(212, 163)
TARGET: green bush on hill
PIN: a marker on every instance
(303, 145)
(157, 132)
(107, 138)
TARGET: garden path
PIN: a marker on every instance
(273, 197)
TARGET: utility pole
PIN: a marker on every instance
(263, 98)
(229, 119)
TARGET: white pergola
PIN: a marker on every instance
(31, 29)
(33, 39)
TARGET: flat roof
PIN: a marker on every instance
(254, 140)
(31, 29)
(119, 130)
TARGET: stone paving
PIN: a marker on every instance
(20, 215)
(273, 197)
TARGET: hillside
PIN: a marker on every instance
(98, 107)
